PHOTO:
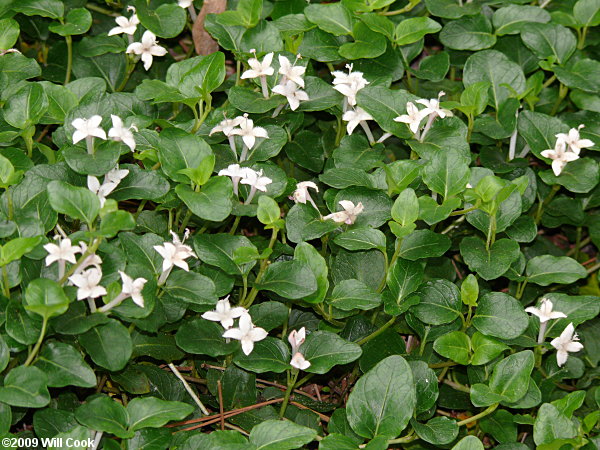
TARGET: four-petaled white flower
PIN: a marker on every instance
(296, 339)
(291, 72)
(90, 260)
(88, 128)
(227, 126)
(247, 333)
(148, 48)
(111, 181)
(256, 180)
(348, 84)
(560, 156)
(432, 107)
(174, 254)
(299, 362)
(236, 173)
(125, 25)
(544, 312)
(301, 194)
(566, 343)
(355, 117)
(88, 283)
(292, 93)
(64, 251)
(259, 69)
(119, 133)
(573, 141)
(185, 3)
(249, 132)
(224, 313)
(412, 118)
(348, 215)
(133, 288)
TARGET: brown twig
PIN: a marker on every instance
(220, 389)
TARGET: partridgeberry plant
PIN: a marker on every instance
(281, 224)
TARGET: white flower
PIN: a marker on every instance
(185, 3)
(348, 84)
(413, 117)
(148, 48)
(64, 251)
(227, 126)
(234, 171)
(432, 106)
(224, 313)
(544, 312)
(87, 128)
(133, 288)
(566, 343)
(256, 180)
(115, 175)
(301, 194)
(259, 69)
(348, 215)
(247, 333)
(111, 181)
(90, 260)
(175, 254)
(355, 117)
(87, 283)
(572, 140)
(125, 25)
(296, 338)
(249, 132)
(119, 133)
(559, 156)
(291, 92)
(299, 362)
(291, 72)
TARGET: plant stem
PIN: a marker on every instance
(562, 93)
(403, 440)
(189, 389)
(288, 391)
(185, 221)
(464, 211)
(520, 290)
(38, 344)
(5, 282)
(69, 41)
(543, 204)
(263, 85)
(376, 333)
(263, 266)
(487, 411)
(236, 222)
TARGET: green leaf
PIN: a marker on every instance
(361, 239)
(268, 355)
(353, 294)
(268, 210)
(403, 278)
(510, 377)
(437, 431)
(513, 19)
(333, 18)
(166, 20)
(384, 105)
(204, 77)
(9, 33)
(307, 254)
(116, 221)
(191, 287)
(434, 67)
(46, 298)
(108, 345)
(497, 69)
(202, 337)
(26, 106)
(104, 414)
(290, 279)
(383, 400)
(280, 435)
(440, 303)
(179, 150)
(579, 176)
(485, 348)
(25, 386)
(160, 346)
(424, 244)
(468, 33)
(324, 350)
(218, 250)
(213, 202)
(469, 443)
(587, 12)
(469, 290)
(447, 174)
(16, 248)
(582, 75)
(78, 21)
(152, 412)
(550, 424)
(549, 40)
(76, 202)
(489, 264)
(413, 29)
(64, 366)
(251, 101)
(367, 43)
(54, 9)
(455, 345)
(406, 207)
(501, 426)
(547, 269)
(247, 14)
(500, 315)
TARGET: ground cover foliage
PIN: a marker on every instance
(289, 224)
